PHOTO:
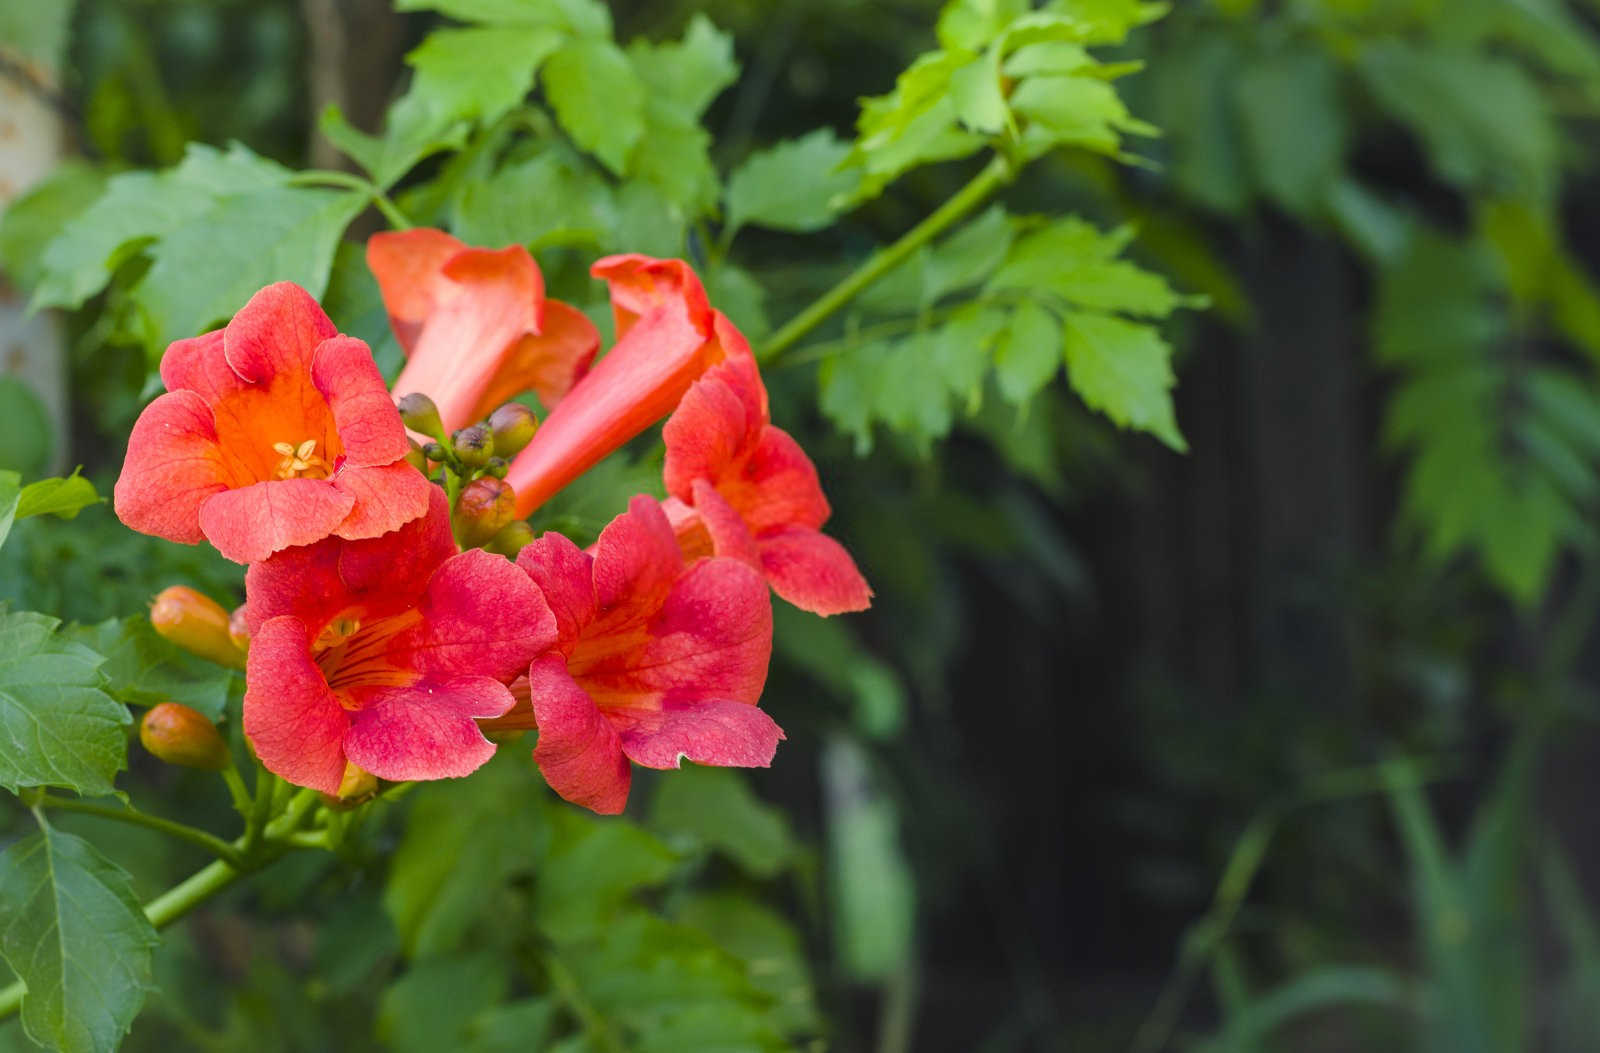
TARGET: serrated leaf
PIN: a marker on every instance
(144, 669)
(74, 932)
(960, 349)
(1073, 111)
(909, 396)
(789, 186)
(970, 24)
(714, 808)
(674, 155)
(413, 129)
(1124, 370)
(63, 498)
(554, 198)
(598, 99)
(57, 728)
(1058, 57)
(204, 271)
(480, 73)
(1072, 260)
(1029, 353)
(1292, 120)
(687, 73)
(969, 255)
(137, 207)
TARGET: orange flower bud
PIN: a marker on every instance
(239, 630)
(196, 623)
(485, 506)
(179, 735)
(355, 787)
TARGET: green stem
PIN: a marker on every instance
(328, 177)
(996, 174)
(236, 790)
(184, 832)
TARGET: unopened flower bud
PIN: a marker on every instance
(434, 452)
(196, 623)
(497, 467)
(474, 445)
(239, 629)
(513, 426)
(420, 414)
(417, 458)
(485, 506)
(179, 735)
(511, 539)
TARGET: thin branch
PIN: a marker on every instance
(182, 831)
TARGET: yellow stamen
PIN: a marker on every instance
(299, 460)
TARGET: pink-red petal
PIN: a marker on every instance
(173, 467)
(714, 731)
(252, 522)
(708, 431)
(401, 561)
(730, 534)
(564, 574)
(578, 751)
(276, 333)
(386, 497)
(480, 614)
(813, 572)
(291, 717)
(303, 582)
(636, 558)
(548, 362)
(369, 426)
(198, 365)
(427, 730)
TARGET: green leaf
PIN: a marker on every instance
(1073, 111)
(63, 498)
(513, 1028)
(198, 278)
(144, 669)
(598, 98)
(1124, 370)
(480, 73)
(59, 728)
(969, 255)
(138, 207)
(584, 17)
(960, 350)
(432, 1005)
(688, 73)
(874, 890)
(1075, 262)
(714, 808)
(970, 24)
(10, 497)
(914, 124)
(38, 31)
(26, 432)
(674, 155)
(980, 105)
(464, 839)
(1292, 120)
(76, 935)
(789, 186)
(1484, 120)
(592, 868)
(414, 128)
(30, 222)
(554, 198)
(768, 945)
(1029, 353)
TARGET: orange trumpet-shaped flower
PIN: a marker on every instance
(274, 431)
(667, 336)
(475, 324)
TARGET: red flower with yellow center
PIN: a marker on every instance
(274, 431)
(743, 488)
(654, 662)
(475, 324)
(384, 653)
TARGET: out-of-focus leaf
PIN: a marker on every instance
(598, 98)
(769, 947)
(10, 496)
(59, 728)
(789, 186)
(38, 31)
(431, 1006)
(592, 868)
(970, 24)
(77, 936)
(30, 222)
(980, 104)
(584, 17)
(1317, 991)
(1293, 124)
(874, 889)
(713, 808)
(144, 669)
(513, 1028)
(691, 72)
(26, 433)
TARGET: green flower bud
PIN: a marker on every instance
(435, 452)
(496, 467)
(511, 539)
(513, 425)
(179, 735)
(420, 414)
(417, 457)
(474, 445)
(485, 506)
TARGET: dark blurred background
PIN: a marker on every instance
(1287, 742)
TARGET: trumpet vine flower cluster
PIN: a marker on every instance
(401, 616)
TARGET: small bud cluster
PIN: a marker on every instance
(475, 459)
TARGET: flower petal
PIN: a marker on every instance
(302, 581)
(293, 720)
(173, 467)
(718, 419)
(780, 486)
(427, 730)
(636, 558)
(401, 561)
(578, 751)
(409, 266)
(480, 614)
(252, 522)
(813, 572)
(730, 534)
(716, 731)
(564, 574)
(547, 363)
(491, 300)
(276, 333)
(198, 364)
(386, 498)
(369, 426)
(641, 285)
